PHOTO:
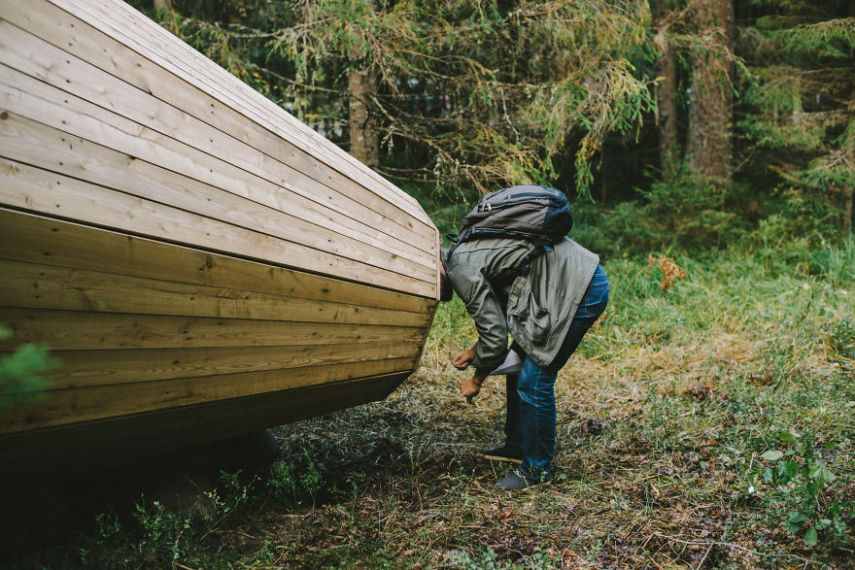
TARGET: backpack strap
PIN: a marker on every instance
(540, 247)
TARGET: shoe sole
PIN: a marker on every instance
(500, 458)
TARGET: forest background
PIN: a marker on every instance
(685, 122)
(708, 148)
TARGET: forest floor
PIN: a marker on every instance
(706, 426)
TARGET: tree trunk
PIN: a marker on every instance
(163, 5)
(363, 132)
(666, 103)
(711, 103)
(847, 210)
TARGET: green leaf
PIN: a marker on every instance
(821, 474)
(839, 525)
(772, 455)
(797, 517)
(786, 436)
(810, 536)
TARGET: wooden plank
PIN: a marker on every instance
(79, 38)
(87, 368)
(27, 285)
(100, 402)
(33, 143)
(35, 57)
(58, 451)
(222, 80)
(79, 330)
(54, 194)
(135, 30)
(22, 95)
(66, 244)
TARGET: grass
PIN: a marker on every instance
(706, 426)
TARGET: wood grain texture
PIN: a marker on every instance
(99, 402)
(67, 244)
(58, 195)
(37, 454)
(35, 57)
(117, 58)
(200, 261)
(89, 368)
(150, 40)
(81, 330)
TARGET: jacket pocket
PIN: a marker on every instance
(525, 314)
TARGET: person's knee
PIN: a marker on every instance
(541, 397)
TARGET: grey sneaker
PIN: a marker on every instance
(516, 481)
(503, 452)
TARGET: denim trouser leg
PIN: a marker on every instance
(530, 422)
(513, 437)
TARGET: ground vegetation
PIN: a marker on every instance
(706, 422)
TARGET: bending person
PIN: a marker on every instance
(547, 307)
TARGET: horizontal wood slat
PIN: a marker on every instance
(54, 194)
(109, 442)
(47, 287)
(93, 403)
(153, 42)
(86, 368)
(78, 330)
(81, 38)
(44, 147)
(185, 246)
(39, 59)
(67, 244)
(324, 252)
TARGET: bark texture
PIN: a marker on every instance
(711, 104)
(666, 104)
(364, 144)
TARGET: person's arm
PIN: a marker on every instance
(484, 308)
(471, 387)
(465, 358)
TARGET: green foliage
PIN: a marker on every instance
(688, 209)
(291, 484)
(156, 536)
(743, 368)
(796, 112)
(488, 559)
(469, 95)
(22, 377)
(802, 479)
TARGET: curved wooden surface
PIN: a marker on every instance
(187, 248)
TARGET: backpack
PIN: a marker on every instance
(538, 214)
(533, 213)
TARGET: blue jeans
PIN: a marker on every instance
(530, 421)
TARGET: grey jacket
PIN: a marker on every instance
(536, 309)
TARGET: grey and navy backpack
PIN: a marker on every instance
(538, 214)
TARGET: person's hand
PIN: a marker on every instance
(464, 359)
(470, 388)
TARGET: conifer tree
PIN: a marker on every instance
(462, 95)
(708, 144)
(798, 120)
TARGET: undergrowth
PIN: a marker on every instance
(706, 425)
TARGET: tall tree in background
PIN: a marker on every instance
(362, 90)
(466, 95)
(666, 89)
(798, 117)
(708, 145)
